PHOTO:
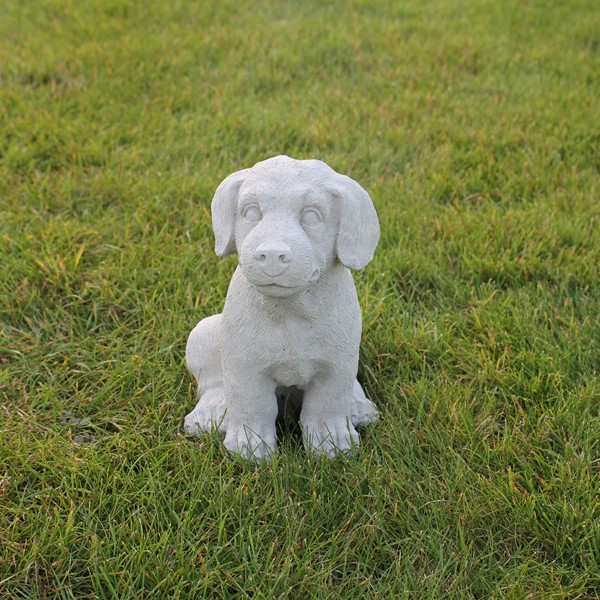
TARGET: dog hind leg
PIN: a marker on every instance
(363, 410)
(203, 357)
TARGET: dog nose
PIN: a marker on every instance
(273, 257)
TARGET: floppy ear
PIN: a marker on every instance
(358, 230)
(223, 208)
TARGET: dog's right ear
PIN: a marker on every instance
(223, 208)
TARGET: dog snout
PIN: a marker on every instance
(273, 257)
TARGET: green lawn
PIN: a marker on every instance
(475, 126)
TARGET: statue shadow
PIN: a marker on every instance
(289, 406)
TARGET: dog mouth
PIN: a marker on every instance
(278, 290)
(278, 286)
(287, 288)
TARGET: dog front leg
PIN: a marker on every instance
(251, 413)
(326, 415)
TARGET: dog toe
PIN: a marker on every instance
(363, 412)
(330, 438)
(208, 415)
(254, 446)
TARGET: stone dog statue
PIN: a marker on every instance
(291, 322)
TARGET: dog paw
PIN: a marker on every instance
(208, 415)
(255, 444)
(363, 410)
(330, 437)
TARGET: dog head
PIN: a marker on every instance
(290, 220)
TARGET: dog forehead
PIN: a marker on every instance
(276, 189)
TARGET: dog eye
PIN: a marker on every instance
(252, 214)
(310, 218)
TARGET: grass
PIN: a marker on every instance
(475, 127)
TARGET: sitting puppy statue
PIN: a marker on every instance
(291, 322)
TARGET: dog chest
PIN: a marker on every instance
(297, 354)
(296, 373)
(289, 350)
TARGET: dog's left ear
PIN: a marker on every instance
(223, 208)
(358, 231)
